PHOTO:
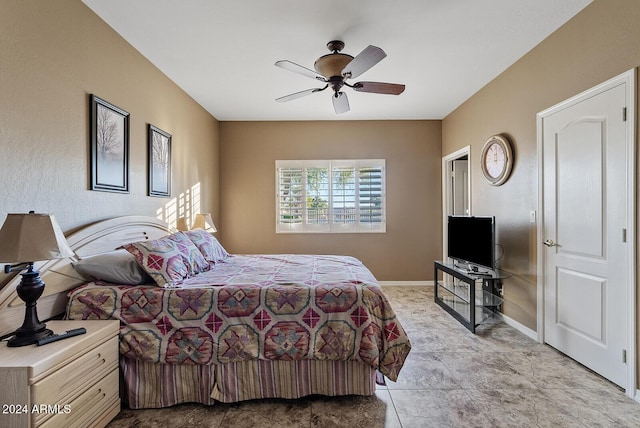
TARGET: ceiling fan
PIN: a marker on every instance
(335, 68)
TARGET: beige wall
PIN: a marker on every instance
(52, 56)
(248, 151)
(599, 43)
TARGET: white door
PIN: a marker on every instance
(460, 187)
(585, 231)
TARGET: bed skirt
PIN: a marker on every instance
(148, 385)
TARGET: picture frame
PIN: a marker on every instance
(109, 146)
(159, 153)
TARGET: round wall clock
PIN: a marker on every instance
(497, 160)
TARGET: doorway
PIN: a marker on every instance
(456, 189)
(586, 238)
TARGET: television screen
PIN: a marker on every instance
(472, 240)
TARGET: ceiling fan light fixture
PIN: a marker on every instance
(331, 65)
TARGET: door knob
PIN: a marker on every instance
(549, 243)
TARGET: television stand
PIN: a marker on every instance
(472, 270)
(469, 297)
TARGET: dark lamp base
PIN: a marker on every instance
(28, 338)
(29, 290)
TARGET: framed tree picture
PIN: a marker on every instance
(109, 147)
(159, 162)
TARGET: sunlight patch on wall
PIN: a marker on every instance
(168, 213)
(186, 204)
(195, 202)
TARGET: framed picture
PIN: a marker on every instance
(159, 162)
(109, 147)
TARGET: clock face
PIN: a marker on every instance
(497, 160)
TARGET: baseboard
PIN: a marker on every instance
(407, 283)
(637, 397)
(518, 326)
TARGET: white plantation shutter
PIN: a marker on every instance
(290, 197)
(343, 199)
(317, 196)
(330, 196)
(371, 196)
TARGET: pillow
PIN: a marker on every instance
(161, 259)
(208, 245)
(194, 259)
(115, 267)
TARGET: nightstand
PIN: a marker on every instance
(69, 383)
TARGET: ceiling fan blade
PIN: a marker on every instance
(299, 94)
(340, 102)
(292, 66)
(370, 56)
(379, 88)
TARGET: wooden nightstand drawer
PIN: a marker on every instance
(89, 409)
(71, 382)
(65, 384)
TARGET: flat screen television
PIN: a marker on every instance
(471, 240)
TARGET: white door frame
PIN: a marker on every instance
(629, 79)
(447, 190)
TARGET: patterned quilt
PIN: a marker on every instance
(268, 307)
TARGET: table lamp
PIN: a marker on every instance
(24, 239)
(204, 221)
(181, 224)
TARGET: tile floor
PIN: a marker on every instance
(452, 378)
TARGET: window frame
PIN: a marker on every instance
(357, 165)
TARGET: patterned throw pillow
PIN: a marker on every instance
(208, 245)
(161, 259)
(194, 259)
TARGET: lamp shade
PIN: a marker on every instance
(204, 221)
(32, 237)
(181, 224)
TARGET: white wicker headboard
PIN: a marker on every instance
(60, 277)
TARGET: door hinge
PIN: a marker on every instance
(624, 356)
(624, 235)
(624, 114)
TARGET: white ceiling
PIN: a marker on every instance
(222, 53)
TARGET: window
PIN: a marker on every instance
(330, 196)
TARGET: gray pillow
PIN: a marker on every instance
(115, 267)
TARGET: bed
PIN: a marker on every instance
(234, 327)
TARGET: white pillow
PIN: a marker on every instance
(115, 267)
